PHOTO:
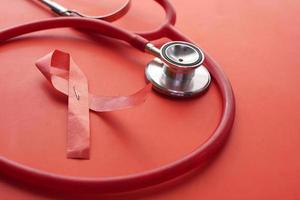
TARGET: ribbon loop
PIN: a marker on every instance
(65, 76)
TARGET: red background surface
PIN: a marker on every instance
(257, 44)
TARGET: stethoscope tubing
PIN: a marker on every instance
(162, 174)
(135, 181)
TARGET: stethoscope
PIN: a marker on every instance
(180, 69)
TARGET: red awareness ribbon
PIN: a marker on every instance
(65, 76)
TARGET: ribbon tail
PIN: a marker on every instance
(65, 76)
(57, 67)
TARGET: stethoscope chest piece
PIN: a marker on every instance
(178, 71)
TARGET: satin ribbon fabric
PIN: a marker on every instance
(65, 76)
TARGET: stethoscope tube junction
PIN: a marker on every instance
(63, 11)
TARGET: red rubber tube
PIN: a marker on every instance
(140, 180)
(170, 19)
(98, 26)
